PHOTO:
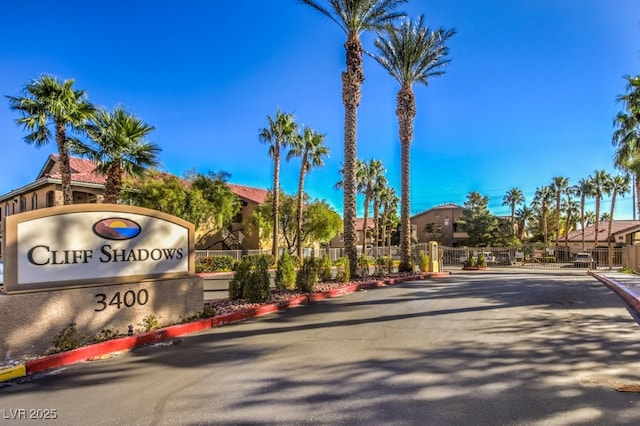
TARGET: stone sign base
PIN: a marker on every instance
(30, 321)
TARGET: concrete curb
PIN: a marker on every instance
(100, 350)
(631, 298)
(11, 373)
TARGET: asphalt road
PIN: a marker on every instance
(475, 348)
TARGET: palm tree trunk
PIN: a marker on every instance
(276, 201)
(610, 244)
(352, 80)
(582, 201)
(405, 111)
(365, 224)
(303, 168)
(597, 224)
(113, 184)
(376, 214)
(65, 170)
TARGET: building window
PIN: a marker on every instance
(50, 199)
(237, 218)
(6, 210)
(34, 201)
(23, 204)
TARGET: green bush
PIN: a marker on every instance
(215, 264)
(326, 274)
(150, 322)
(482, 262)
(68, 338)
(363, 266)
(285, 272)
(257, 288)
(472, 262)
(243, 271)
(307, 277)
(343, 274)
(406, 267)
(424, 262)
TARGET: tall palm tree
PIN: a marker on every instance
(626, 137)
(620, 185)
(354, 17)
(571, 209)
(310, 148)
(53, 108)
(380, 190)
(601, 182)
(541, 200)
(367, 177)
(412, 54)
(278, 134)
(513, 198)
(585, 189)
(390, 200)
(523, 215)
(121, 148)
(559, 186)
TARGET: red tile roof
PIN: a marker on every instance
(256, 195)
(83, 170)
(603, 230)
(360, 223)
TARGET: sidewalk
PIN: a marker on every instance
(627, 286)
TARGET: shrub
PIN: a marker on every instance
(243, 270)
(363, 266)
(257, 287)
(325, 268)
(424, 262)
(285, 272)
(215, 264)
(150, 322)
(406, 267)
(343, 274)
(472, 262)
(106, 334)
(307, 275)
(482, 262)
(68, 338)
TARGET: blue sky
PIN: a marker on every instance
(529, 93)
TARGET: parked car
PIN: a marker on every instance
(584, 260)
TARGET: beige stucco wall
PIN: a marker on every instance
(31, 321)
(444, 217)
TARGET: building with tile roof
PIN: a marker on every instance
(439, 224)
(623, 232)
(88, 187)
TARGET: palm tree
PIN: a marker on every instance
(389, 199)
(571, 209)
(412, 54)
(559, 186)
(367, 177)
(354, 17)
(278, 134)
(512, 198)
(601, 182)
(626, 137)
(541, 200)
(620, 185)
(49, 108)
(380, 190)
(589, 218)
(310, 147)
(121, 148)
(522, 216)
(584, 189)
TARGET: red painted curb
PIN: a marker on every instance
(129, 342)
(627, 295)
